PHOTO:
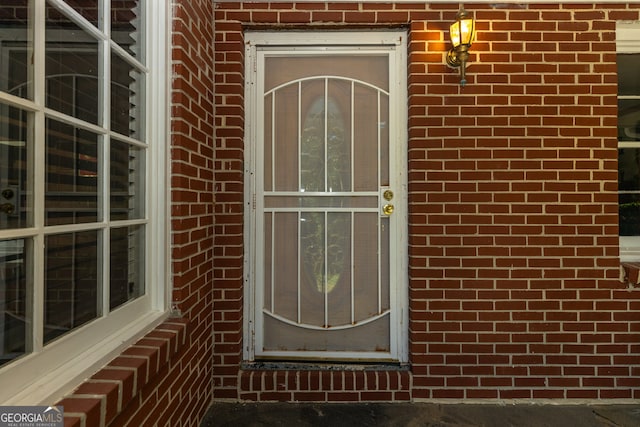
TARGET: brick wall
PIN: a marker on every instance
(514, 270)
(165, 378)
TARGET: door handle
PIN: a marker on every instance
(387, 194)
(7, 208)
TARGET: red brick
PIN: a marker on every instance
(316, 396)
(89, 407)
(107, 391)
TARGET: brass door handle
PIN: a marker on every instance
(387, 209)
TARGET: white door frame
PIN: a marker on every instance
(395, 43)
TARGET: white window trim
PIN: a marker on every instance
(46, 375)
(399, 300)
(628, 41)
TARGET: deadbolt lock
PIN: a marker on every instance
(7, 193)
(388, 195)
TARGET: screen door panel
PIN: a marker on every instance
(325, 162)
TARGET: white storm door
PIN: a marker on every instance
(327, 269)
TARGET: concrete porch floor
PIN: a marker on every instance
(421, 414)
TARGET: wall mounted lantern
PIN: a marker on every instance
(462, 33)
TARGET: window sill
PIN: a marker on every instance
(101, 398)
(630, 273)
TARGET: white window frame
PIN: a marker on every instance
(399, 352)
(628, 41)
(49, 372)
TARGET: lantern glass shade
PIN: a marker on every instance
(462, 32)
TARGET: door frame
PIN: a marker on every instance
(393, 41)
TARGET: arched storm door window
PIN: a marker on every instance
(327, 256)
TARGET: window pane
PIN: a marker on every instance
(71, 282)
(629, 187)
(127, 112)
(339, 280)
(71, 175)
(89, 9)
(313, 268)
(629, 214)
(127, 186)
(373, 335)
(282, 285)
(284, 125)
(71, 69)
(268, 143)
(17, 46)
(366, 134)
(629, 157)
(15, 179)
(13, 299)
(313, 138)
(629, 119)
(629, 169)
(126, 22)
(365, 255)
(383, 129)
(127, 265)
(628, 81)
